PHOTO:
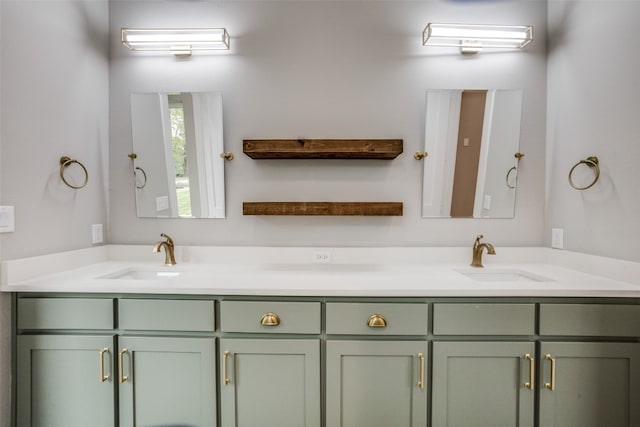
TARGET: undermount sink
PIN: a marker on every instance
(502, 276)
(140, 274)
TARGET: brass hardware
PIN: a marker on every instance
(551, 385)
(65, 162)
(103, 377)
(592, 162)
(477, 251)
(530, 384)
(419, 155)
(270, 319)
(421, 379)
(377, 321)
(144, 174)
(518, 156)
(132, 156)
(513, 169)
(226, 156)
(169, 256)
(123, 378)
(225, 377)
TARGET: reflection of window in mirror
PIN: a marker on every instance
(177, 138)
(178, 144)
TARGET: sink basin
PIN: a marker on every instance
(139, 274)
(502, 276)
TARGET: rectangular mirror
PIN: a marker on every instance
(472, 138)
(177, 142)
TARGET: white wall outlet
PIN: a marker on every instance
(321, 257)
(162, 203)
(7, 219)
(97, 233)
(557, 238)
(486, 204)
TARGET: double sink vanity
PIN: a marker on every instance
(374, 337)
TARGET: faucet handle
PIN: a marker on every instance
(169, 239)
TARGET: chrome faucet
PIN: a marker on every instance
(477, 251)
(169, 258)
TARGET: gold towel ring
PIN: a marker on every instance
(518, 156)
(513, 169)
(65, 162)
(144, 175)
(592, 162)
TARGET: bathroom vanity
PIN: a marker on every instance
(411, 343)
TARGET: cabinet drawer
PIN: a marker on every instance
(166, 315)
(393, 318)
(590, 320)
(65, 313)
(270, 317)
(484, 319)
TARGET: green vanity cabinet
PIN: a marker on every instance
(590, 384)
(267, 379)
(376, 383)
(484, 374)
(239, 361)
(270, 382)
(483, 384)
(163, 379)
(166, 381)
(594, 383)
(376, 364)
(65, 362)
(65, 381)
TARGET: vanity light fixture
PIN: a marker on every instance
(178, 41)
(472, 38)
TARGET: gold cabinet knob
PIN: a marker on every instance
(377, 321)
(226, 156)
(270, 319)
(419, 155)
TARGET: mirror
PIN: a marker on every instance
(472, 138)
(177, 143)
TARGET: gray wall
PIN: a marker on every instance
(327, 70)
(54, 103)
(594, 109)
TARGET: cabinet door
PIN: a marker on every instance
(592, 384)
(167, 381)
(376, 383)
(483, 384)
(270, 383)
(65, 381)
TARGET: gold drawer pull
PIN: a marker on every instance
(551, 385)
(225, 377)
(123, 378)
(377, 321)
(530, 384)
(270, 319)
(421, 379)
(104, 377)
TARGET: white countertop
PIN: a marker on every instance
(388, 272)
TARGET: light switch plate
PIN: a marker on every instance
(97, 233)
(7, 219)
(557, 238)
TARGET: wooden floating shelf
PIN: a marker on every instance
(323, 208)
(385, 149)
